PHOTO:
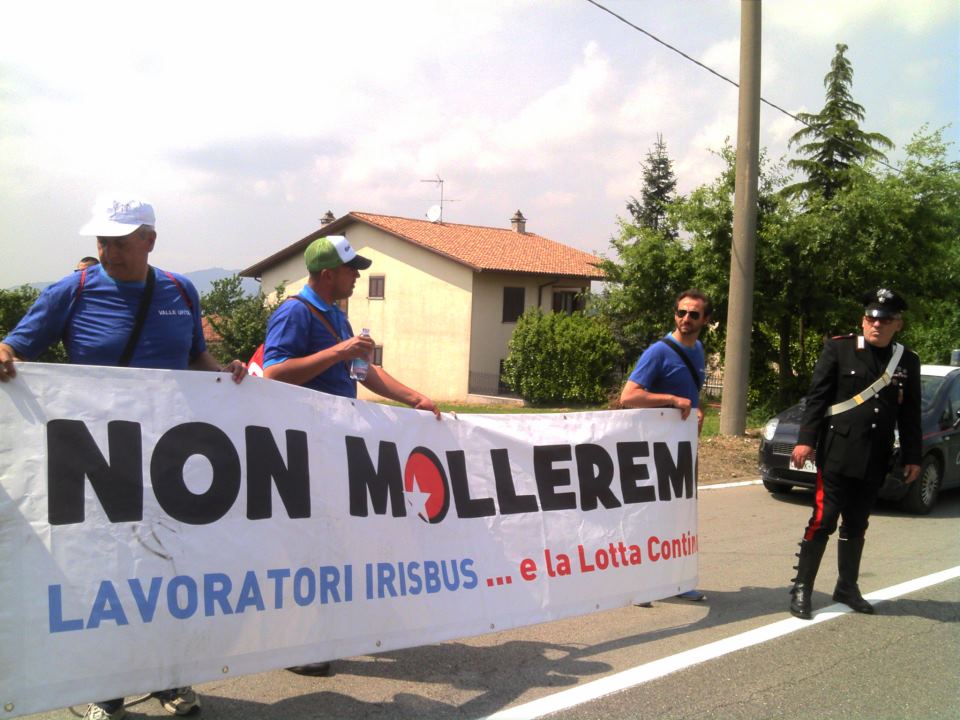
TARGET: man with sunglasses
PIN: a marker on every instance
(671, 372)
(863, 388)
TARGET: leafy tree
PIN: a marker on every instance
(13, 306)
(706, 217)
(652, 264)
(657, 193)
(832, 139)
(239, 319)
(561, 358)
(814, 262)
(911, 241)
(637, 303)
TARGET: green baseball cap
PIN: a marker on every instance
(332, 251)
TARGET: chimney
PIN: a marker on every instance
(327, 219)
(519, 223)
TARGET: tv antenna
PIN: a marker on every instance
(435, 212)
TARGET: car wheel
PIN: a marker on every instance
(776, 488)
(922, 495)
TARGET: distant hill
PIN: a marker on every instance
(203, 279)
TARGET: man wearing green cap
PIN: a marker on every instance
(311, 343)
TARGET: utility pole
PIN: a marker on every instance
(743, 254)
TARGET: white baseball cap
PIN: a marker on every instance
(116, 218)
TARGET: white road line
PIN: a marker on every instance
(659, 668)
(721, 486)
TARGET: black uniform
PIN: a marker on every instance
(854, 447)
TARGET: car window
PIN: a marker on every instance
(929, 385)
(954, 403)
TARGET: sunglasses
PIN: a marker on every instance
(883, 321)
(694, 314)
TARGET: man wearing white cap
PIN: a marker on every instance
(96, 310)
(122, 312)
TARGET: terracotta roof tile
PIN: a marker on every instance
(490, 249)
(209, 334)
(481, 248)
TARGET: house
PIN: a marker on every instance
(210, 334)
(441, 300)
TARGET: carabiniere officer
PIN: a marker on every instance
(863, 387)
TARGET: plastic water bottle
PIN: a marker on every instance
(360, 365)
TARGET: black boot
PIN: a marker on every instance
(811, 552)
(849, 551)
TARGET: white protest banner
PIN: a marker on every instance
(161, 528)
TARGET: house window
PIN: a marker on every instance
(567, 301)
(513, 298)
(375, 290)
(378, 355)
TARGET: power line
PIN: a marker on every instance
(725, 78)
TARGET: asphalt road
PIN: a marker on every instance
(901, 663)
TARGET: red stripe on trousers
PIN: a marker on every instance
(817, 520)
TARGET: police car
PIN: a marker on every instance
(940, 469)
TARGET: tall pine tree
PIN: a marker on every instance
(652, 264)
(832, 139)
(658, 191)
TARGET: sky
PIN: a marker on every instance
(244, 122)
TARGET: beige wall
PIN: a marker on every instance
(291, 272)
(438, 322)
(423, 322)
(490, 334)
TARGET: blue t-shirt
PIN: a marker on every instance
(660, 370)
(293, 332)
(95, 323)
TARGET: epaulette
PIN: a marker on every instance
(844, 337)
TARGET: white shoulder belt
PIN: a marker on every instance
(876, 386)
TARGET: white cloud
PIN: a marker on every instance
(560, 116)
(724, 57)
(827, 18)
(248, 122)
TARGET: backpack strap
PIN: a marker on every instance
(319, 315)
(142, 310)
(73, 303)
(322, 318)
(686, 361)
(183, 293)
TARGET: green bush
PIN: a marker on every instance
(561, 358)
(239, 319)
(14, 304)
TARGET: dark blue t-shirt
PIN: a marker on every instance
(294, 332)
(95, 323)
(660, 370)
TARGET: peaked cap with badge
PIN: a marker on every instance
(883, 303)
